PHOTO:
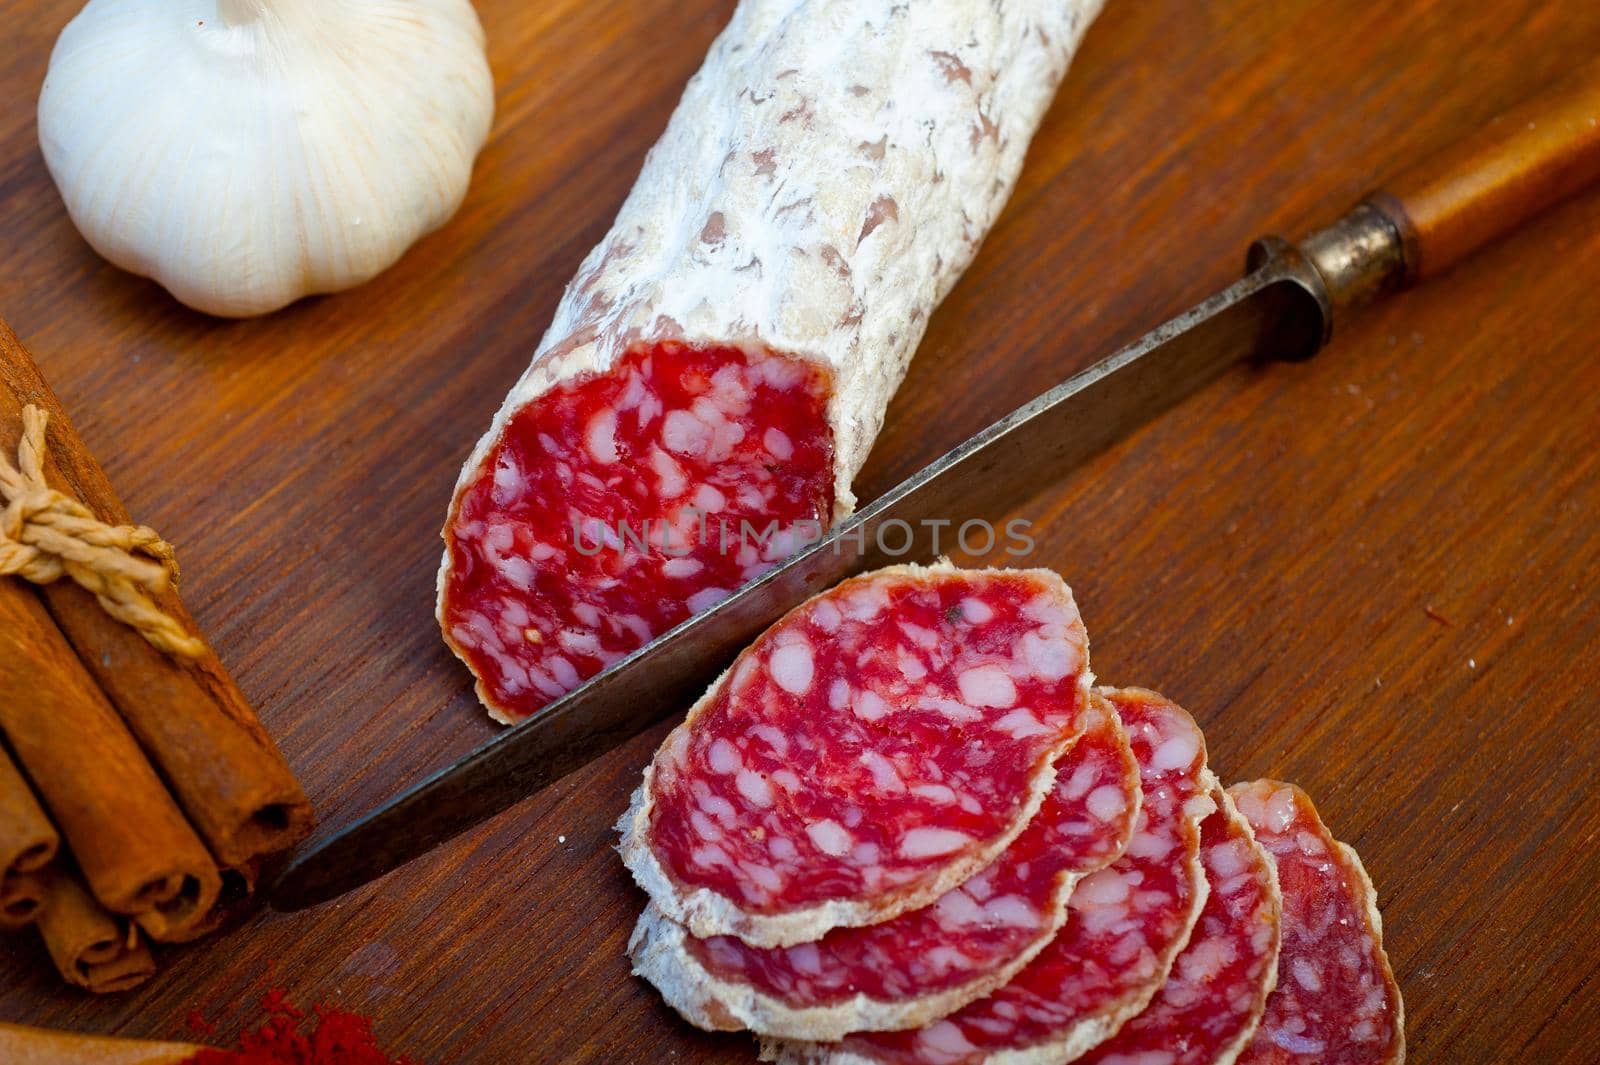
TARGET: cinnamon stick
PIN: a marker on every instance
(189, 716)
(21, 1045)
(132, 843)
(21, 899)
(27, 838)
(91, 948)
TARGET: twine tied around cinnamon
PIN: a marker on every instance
(46, 535)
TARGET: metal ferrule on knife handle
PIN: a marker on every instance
(1449, 206)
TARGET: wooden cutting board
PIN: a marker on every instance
(1374, 574)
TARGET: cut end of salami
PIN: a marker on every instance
(873, 749)
(1336, 1001)
(1127, 924)
(617, 504)
(910, 970)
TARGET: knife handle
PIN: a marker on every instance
(1448, 206)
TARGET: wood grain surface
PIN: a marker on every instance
(1373, 574)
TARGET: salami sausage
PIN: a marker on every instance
(922, 965)
(873, 749)
(724, 357)
(1336, 1002)
(1208, 1009)
(1127, 924)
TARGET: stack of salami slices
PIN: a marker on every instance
(906, 827)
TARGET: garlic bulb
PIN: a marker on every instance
(245, 153)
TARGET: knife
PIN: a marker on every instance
(1285, 308)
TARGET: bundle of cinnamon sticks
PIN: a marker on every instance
(139, 793)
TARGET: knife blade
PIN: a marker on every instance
(1535, 156)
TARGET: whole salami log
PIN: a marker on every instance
(723, 359)
(877, 746)
(1208, 1009)
(922, 965)
(1336, 1001)
(1127, 924)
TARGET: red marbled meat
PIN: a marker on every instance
(1210, 1005)
(1336, 1002)
(930, 961)
(1127, 923)
(616, 504)
(875, 747)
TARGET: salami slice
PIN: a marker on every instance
(1208, 1009)
(921, 965)
(1336, 1002)
(724, 357)
(1127, 924)
(877, 746)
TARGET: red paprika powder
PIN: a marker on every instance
(290, 1037)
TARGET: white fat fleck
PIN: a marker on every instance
(1021, 724)
(838, 693)
(826, 616)
(806, 958)
(830, 837)
(944, 1041)
(1306, 975)
(773, 737)
(792, 668)
(778, 444)
(684, 433)
(1203, 960)
(1046, 609)
(754, 787)
(940, 793)
(976, 611)
(884, 776)
(1227, 860)
(762, 875)
(987, 686)
(1104, 888)
(911, 667)
(1176, 752)
(679, 568)
(1106, 802)
(507, 480)
(723, 757)
(600, 437)
(519, 571)
(708, 499)
(669, 475)
(869, 705)
(955, 711)
(706, 598)
(565, 673)
(1278, 812)
(717, 807)
(932, 842)
(1051, 658)
(1010, 911)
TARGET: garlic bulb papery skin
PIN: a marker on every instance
(245, 153)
